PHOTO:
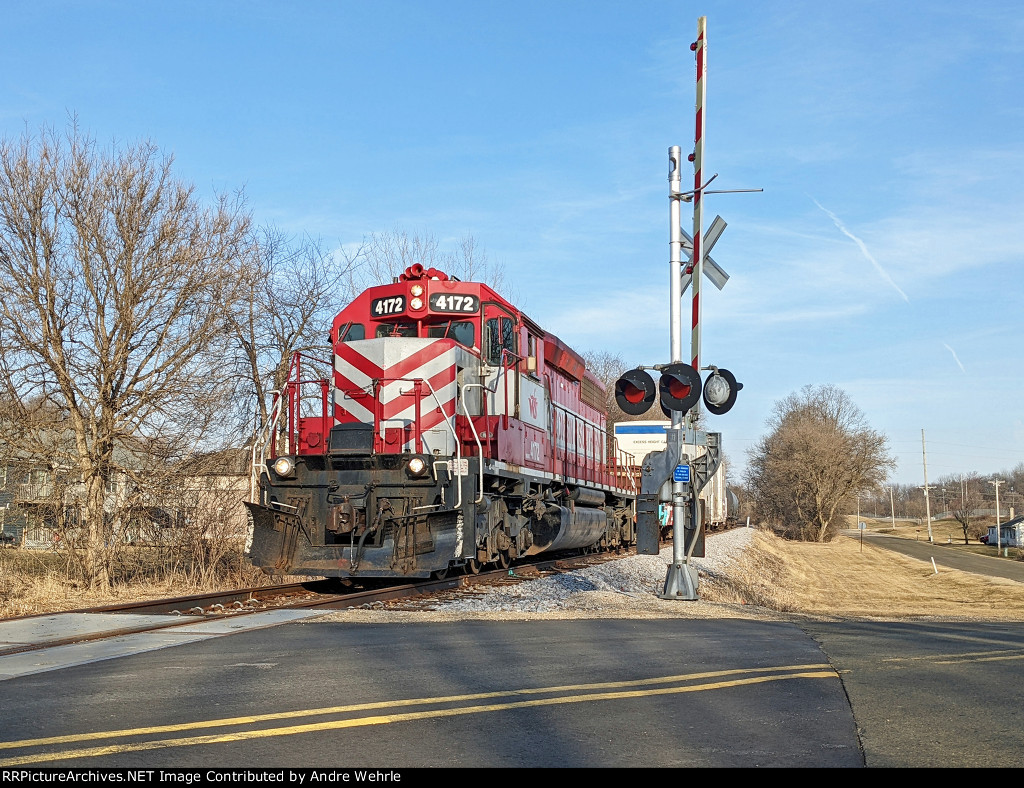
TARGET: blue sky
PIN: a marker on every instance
(883, 255)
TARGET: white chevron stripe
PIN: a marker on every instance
(445, 396)
(387, 354)
(355, 407)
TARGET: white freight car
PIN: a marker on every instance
(639, 438)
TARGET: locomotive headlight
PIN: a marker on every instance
(417, 467)
(283, 466)
(416, 303)
(416, 290)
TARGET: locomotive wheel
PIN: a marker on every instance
(503, 559)
(471, 567)
(440, 574)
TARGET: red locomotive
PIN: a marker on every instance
(454, 433)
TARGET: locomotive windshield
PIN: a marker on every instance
(351, 331)
(462, 331)
(397, 329)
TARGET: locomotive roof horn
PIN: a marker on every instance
(417, 271)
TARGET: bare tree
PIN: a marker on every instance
(114, 280)
(292, 290)
(819, 454)
(383, 256)
(965, 500)
(608, 368)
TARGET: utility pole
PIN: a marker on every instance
(999, 540)
(892, 508)
(927, 503)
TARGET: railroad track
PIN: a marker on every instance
(317, 594)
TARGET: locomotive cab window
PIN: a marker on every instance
(398, 329)
(462, 331)
(500, 335)
(351, 332)
(530, 362)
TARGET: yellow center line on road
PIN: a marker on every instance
(978, 659)
(284, 715)
(777, 674)
(969, 656)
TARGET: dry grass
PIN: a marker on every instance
(34, 582)
(847, 579)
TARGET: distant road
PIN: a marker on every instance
(945, 554)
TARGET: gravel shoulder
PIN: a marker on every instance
(747, 573)
(624, 588)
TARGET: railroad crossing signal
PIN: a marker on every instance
(678, 389)
(712, 270)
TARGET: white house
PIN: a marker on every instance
(1011, 533)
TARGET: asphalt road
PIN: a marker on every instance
(515, 694)
(944, 555)
(932, 694)
(668, 694)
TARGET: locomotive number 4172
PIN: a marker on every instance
(388, 306)
(449, 302)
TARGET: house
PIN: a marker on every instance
(38, 500)
(1011, 533)
(212, 489)
(205, 492)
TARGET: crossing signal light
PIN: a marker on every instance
(720, 391)
(679, 387)
(634, 392)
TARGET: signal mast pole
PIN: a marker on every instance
(681, 580)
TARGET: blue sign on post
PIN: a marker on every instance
(681, 474)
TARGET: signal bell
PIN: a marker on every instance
(720, 391)
(634, 392)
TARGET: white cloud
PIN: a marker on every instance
(955, 357)
(864, 250)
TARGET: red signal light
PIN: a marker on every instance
(634, 392)
(679, 387)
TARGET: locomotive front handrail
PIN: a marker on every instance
(479, 445)
(419, 433)
(259, 444)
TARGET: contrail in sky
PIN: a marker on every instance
(957, 360)
(863, 249)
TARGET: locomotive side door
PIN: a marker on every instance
(500, 352)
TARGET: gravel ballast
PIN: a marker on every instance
(622, 588)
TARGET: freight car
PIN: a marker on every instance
(452, 432)
(719, 504)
